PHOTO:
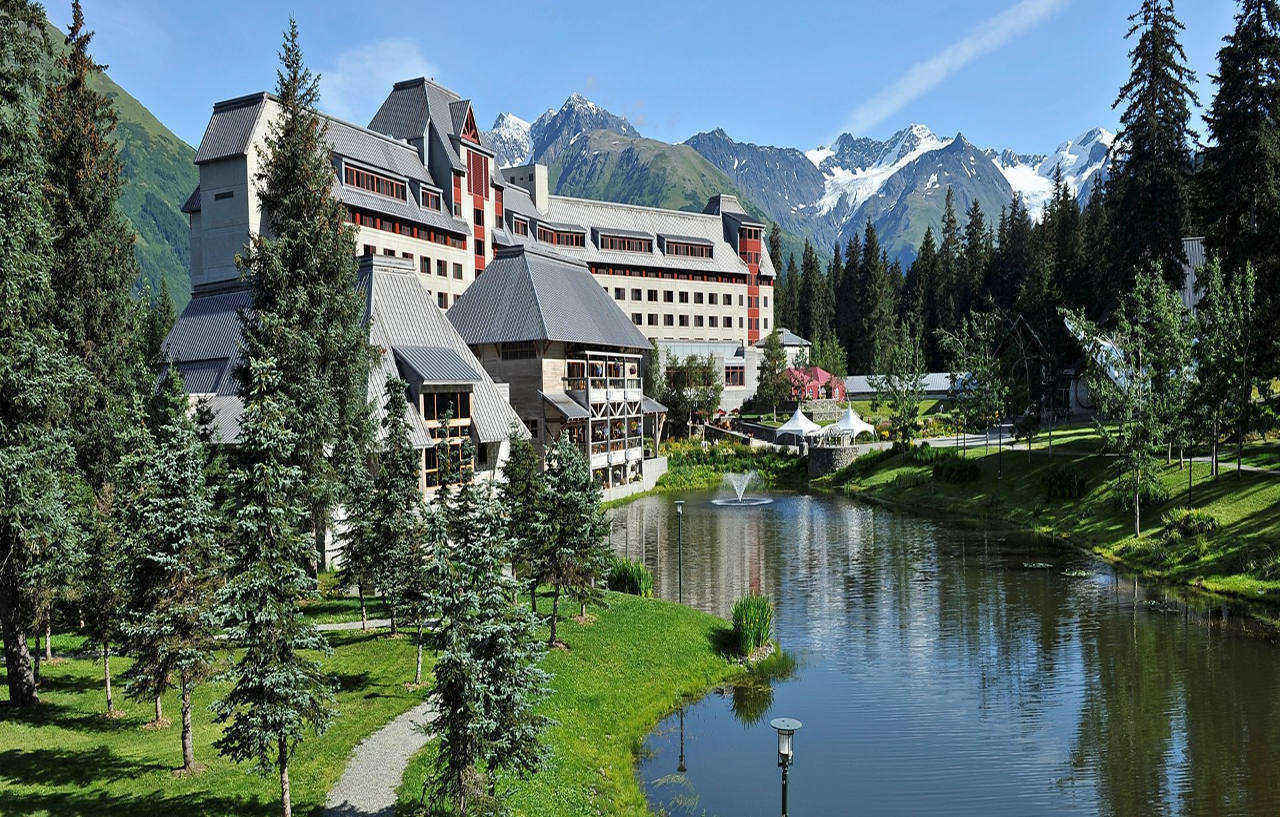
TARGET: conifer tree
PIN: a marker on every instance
(973, 264)
(814, 307)
(899, 378)
(850, 301)
(487, 681)
(1242, 160)
(156, 324)
(879, 311)
(177, 567)
(396, 522)
(303, 271)
(37, 378)
(773, 386)
(1148, 187)
(1012, 260)
(278, 691)
(947, 299)
(522, 495)
(977, 383)
(362, 553)
(775, 247)
(1222, 354)
(574, 552)
(923, 299)
(785, 312)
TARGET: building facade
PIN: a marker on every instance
(540, 323)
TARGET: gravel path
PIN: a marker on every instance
(368, 784)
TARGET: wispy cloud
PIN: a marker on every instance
(926, 75)
(361, 77)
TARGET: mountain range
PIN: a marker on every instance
(826, 194)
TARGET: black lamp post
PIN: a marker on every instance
(680, 767)
(786, 729)
(680, 551)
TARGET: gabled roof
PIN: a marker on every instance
(413, 338)
(530, 294)
(786, 337)
(414, 105)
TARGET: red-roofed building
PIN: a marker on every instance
(814, 383)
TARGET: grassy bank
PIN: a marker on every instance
(622, 673)
(65, 758)
(1033, 491)
(693, 466)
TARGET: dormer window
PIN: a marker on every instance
(430, 199)
(561, 238)
(617, 242)
(375, 183)
(688, 249)
(520, 226)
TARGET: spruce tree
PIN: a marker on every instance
(522, 495)
(785, 312)
(1149, 185)
(303, 272)
(775, 247)
(1241, 174)
(173, 630)
(899, 378)
(487, 682)
(574, 552)
(156, 324)
(948, 305)
(278, 691)
(880, 305)
(396, 522)
(361, 552)
(971, 292)
(773, 387)
(1221, 353)
(37, 378)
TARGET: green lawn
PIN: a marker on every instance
(622, 674)
(65, 758)
(1240, 559)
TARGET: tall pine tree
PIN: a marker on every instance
(1149, 185)
(303, 271)
(36, 375)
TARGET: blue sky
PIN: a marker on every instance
(1024, 74)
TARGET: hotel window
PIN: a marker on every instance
(697, 320)
(430, 200)
(713, 298)
(369, 249)
(407, 256)
(442, 268)
(691, 250)
(715, 322)
(442, 300)
(389, 251)
(619, 293)
(668, 319)
(653, 295)
(424, 264)
(517, 351)
(637, 318)
(457, 271)
(653, 319)
(766, 302)
(668, 296)
(478, 214)
(374, 182)
(735, 376)
(635, 294)
(614, 242)
(684, 297)
(479, 247)
(697, 297)
(728, 321)
(684, 320)
(766, 323)
(519, 226)
(477, 174)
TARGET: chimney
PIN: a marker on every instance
(534, 179)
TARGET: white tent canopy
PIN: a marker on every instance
(850, 424)
(799, 424)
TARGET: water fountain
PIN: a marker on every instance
(739, 483)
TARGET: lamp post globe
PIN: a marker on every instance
(786, 729)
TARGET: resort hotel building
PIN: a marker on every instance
(432, 216)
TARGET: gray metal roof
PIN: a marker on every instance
(686, 239)
(787, 338)
(650, 406)
(404, 324)
(374, 149)
(933, 382)
(192, 204)
(529, 293)
(436, 364)
(566, 405)
(621, 232)
(411, 107)
(458, 110)
(408, 209)
(230, 128)
(404, 315)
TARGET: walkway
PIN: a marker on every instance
(376, 767)
(338, 626)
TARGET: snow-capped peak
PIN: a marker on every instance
(1083, 161)
(818, 155)
(855, 185)
(510, 138)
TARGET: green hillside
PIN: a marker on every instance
(634, 170)
(158, 177)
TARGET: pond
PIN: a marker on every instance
(945, 671)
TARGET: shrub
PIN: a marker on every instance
(1064, 482)
(1191, 522)
(752, 623)
(630, 576)
(954, 469)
